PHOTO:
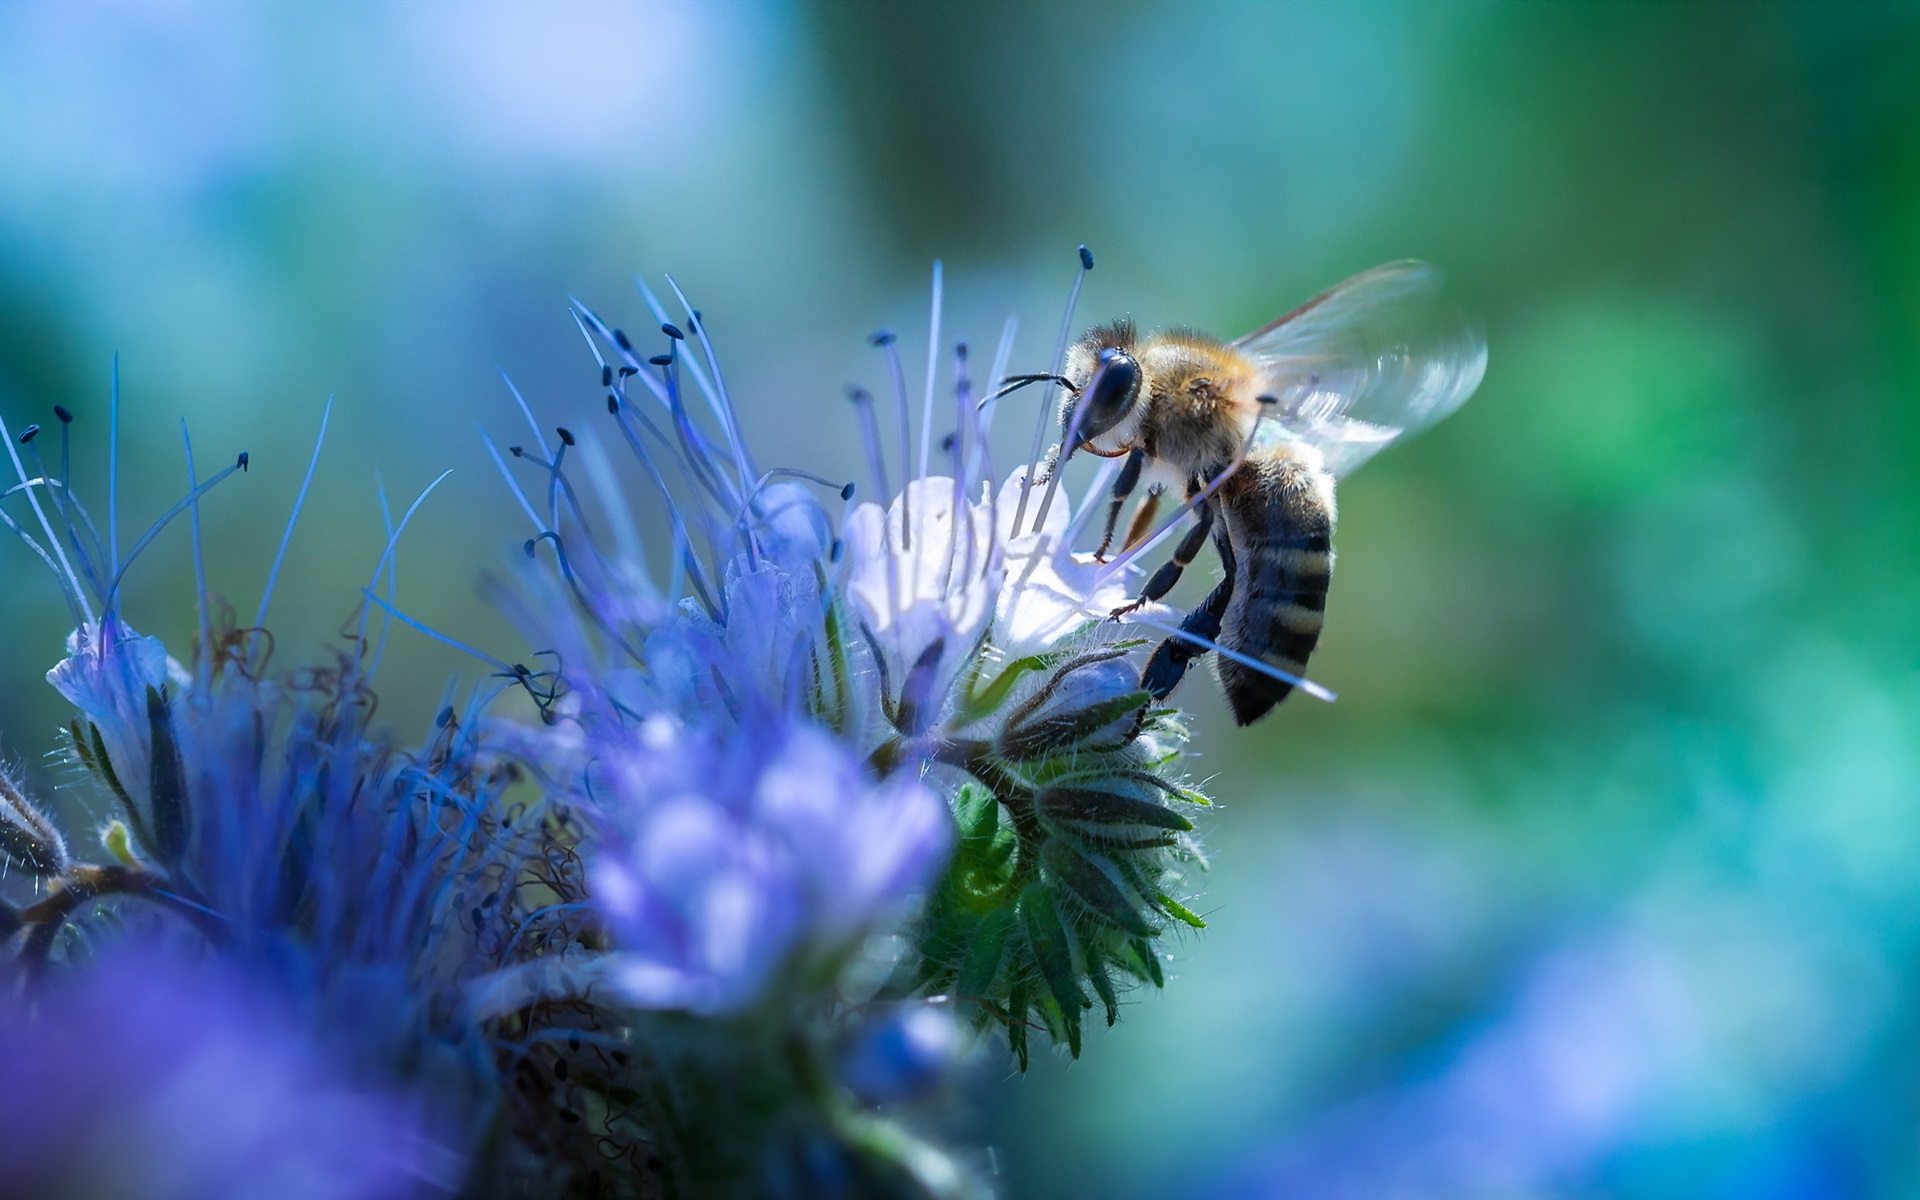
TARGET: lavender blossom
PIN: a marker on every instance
(732, 852)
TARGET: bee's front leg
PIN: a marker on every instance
(1183, 555)
(1123, 486)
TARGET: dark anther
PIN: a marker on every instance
(29, 433)
(948, 442)
(606, 375)
(60, 410)
(621, 1057)
(559, 1068)
(672, 331)
(613, 403)
(1086, 259)
(1269, 399)
(620, 339)
(565, 435)
(846, 493)
(661, 360)
(626, 371)
(695, 321)
(446, 715)
(859, 395)
(883, 338)
(569, 1116)
(516, 451)
(838, 550)
(573, 1042)
(960, 351)
(526, 548)
(242, 461)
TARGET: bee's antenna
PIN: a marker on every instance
(1058, 360)
(1015, 382)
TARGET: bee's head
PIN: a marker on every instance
(1101, 387)
(1108, 395)
(1106, 383)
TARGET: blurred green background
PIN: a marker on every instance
(1603, 876)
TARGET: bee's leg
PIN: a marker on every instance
(1183, 556)
(1123, 487)
(1143, 516)
(1170, 660)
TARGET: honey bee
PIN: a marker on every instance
(1254, 432)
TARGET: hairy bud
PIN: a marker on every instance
(27, 839)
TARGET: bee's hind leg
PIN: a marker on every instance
(1183, 556)
(1172, 657)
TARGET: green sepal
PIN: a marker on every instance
(1092, 806)
(1094, 888)
(975, 811)
(1102, 983)
(1053, 952)
(1142, 961)
(167, 782)
(1179, 911)
(981, 965)
(834, 704)
(982, 866)
(1016, 1017)
(980, 705)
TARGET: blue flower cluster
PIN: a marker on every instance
(703, 902)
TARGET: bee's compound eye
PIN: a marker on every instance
(1116, 384)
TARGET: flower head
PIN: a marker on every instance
(262, 826)
(949, 642)
(733, 854)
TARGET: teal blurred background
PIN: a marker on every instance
(1603, 876)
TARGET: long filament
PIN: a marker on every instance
(1056, 362)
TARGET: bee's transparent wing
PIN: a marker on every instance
(1366, 361)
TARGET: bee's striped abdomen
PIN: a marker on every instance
(1280, 522)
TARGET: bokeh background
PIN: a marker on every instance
(1603, 876)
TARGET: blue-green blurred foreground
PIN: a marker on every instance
(1603, 876)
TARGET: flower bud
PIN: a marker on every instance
(27, 838)
(1089, 703)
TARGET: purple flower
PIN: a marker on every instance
(119, 681)
(147, 1079)
(734, 855)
